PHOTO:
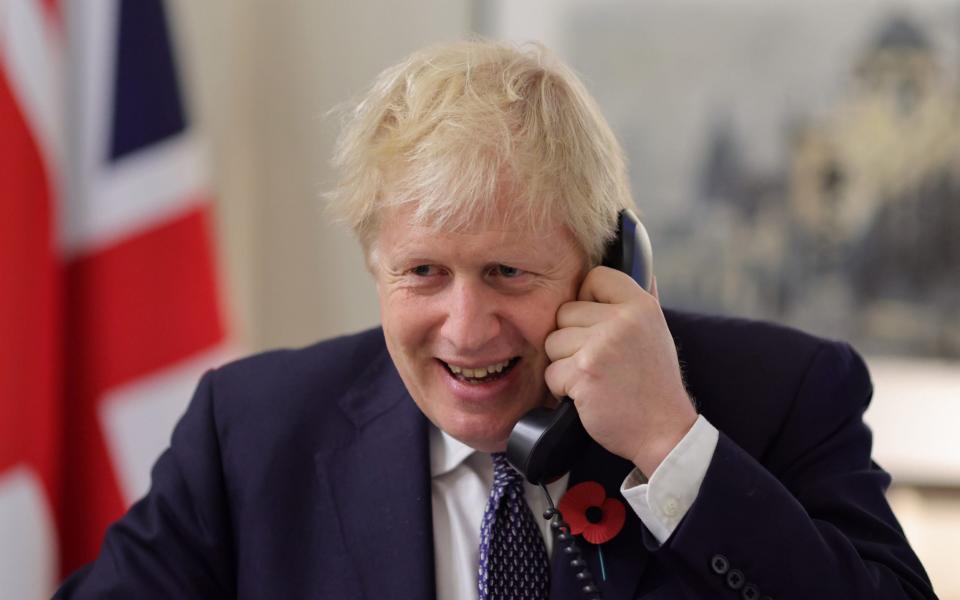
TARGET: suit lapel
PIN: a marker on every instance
(380, 482)
(625, 557)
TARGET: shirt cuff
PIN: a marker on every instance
(662, 502)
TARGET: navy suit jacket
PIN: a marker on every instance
(305, 474)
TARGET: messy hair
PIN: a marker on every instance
(479, 132)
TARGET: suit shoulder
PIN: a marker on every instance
(312, 376)
(767, 348)
(743, 373)
(324, 360)
(700, 332)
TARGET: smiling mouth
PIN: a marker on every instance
(482, 374)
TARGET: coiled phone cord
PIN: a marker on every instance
(561, 531)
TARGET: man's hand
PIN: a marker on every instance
(614, 356)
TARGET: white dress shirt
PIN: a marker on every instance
(662, 502)
(461, 481)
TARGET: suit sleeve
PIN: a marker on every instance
(176, 541)
(812, 521)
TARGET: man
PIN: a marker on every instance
(483, 184)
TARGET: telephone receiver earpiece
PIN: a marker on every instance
(546, 441)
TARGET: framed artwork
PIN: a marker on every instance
(794, 161)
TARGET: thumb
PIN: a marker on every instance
(653, 288)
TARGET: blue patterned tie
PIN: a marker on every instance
(513, 559)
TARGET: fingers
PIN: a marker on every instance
(565, 342)
(560, 377)
(608, 286)
(606, 297)
(581, 313)
(603, 287)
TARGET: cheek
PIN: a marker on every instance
(538, 318)
(406, 323)
(537, 321)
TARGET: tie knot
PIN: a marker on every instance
(504, 475)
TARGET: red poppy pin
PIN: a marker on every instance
(588, 511)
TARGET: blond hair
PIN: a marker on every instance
(481, 132)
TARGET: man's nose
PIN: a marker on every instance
(471, 320)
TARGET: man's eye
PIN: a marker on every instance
(508, 271)
(423, 270)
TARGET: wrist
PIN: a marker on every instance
(656, 448)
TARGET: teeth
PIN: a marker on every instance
(480, 372)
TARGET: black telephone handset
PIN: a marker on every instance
(545, 442)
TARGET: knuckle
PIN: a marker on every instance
(627, 313)
(587, 363)
(649, 304)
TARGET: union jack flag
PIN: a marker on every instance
(109, 301)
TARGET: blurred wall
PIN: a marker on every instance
(263, 76)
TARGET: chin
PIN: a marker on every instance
(489, 446)
(479, 436)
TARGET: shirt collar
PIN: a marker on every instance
(446, 452)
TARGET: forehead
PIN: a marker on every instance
(398, 237)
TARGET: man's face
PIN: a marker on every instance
(465, 316)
